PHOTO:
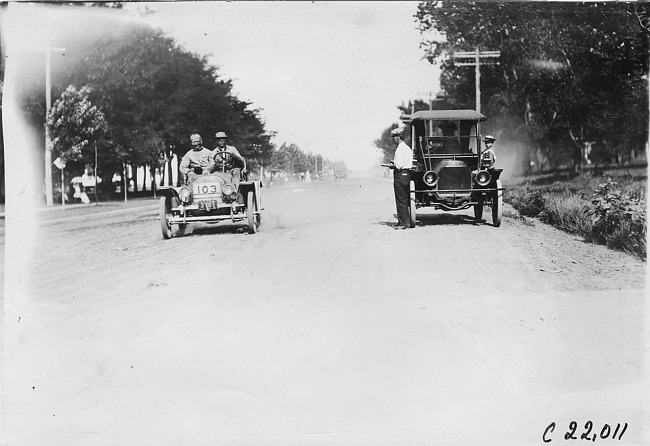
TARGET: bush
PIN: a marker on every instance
(618, 220)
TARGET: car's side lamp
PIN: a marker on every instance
(184, 194)
(488, 158)
(483, 178)
(430, 178)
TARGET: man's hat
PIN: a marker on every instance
(490, 138)
(196, 138)
(220, 135)
(399, 131)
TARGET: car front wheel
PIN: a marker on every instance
(412, 204)
(251, 208)
(165, 211)
(497, 205)
(478, 209)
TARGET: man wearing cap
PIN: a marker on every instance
(232, 164)
(197, 161)
(402, 164)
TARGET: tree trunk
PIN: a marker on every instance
(135, 179)
(152, 172)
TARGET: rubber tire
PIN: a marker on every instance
(497, 206)
(165, 208)
(412, 206)
(478, 210)
(250, 211)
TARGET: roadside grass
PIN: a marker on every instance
(608, 209)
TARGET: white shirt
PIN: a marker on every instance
(403, 156)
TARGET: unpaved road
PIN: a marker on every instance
(328, 327)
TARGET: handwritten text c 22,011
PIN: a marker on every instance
(607, 432)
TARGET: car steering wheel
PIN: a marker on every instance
(222, 159)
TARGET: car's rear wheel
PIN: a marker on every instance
(412, 204)
(165, 211)
(251, 208)
(497, 205)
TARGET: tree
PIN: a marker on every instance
(386, 144)
(75, 125)
(291, 159)
(569, 72)
(153, 95)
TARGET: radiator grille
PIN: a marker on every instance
(454, 178)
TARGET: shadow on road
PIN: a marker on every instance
(447, 219)
(219, 228)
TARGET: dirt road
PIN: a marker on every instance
(327, 327)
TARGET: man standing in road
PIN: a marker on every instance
(402, 164)
(197, 161)
(234, 164)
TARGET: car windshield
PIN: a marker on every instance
(455, 135)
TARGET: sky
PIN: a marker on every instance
(326, 76)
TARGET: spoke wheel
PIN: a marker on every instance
(253, 221)
(497, 205)
(165, 211)
(412, 204)
(478, 209)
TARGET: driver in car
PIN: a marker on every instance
(197, 161)
(233, 164)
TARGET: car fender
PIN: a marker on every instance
(169, 192)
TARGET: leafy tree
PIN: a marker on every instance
(386, 144)
(75, 124)
(154, 95)
(569, 72)
(291, 159)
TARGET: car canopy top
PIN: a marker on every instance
(452, 115)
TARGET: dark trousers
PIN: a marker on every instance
(401, 185)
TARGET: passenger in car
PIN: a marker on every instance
(450, 142)
(197, 161)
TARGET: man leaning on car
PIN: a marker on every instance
(402, 165)
(197, 161)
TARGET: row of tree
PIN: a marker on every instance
(133, 97)
(137, 97)
(568, 73)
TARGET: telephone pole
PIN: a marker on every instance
(48, 141)
(430, 93)
(473, 58)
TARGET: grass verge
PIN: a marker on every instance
(608, 209)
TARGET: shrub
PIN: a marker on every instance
(569, 213)
(618, 219)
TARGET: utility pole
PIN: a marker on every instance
(430, 93)
(473, 58)
(48, 141)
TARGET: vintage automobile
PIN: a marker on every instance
(452, 170)
(210, 198)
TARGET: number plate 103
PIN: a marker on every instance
(199, 189)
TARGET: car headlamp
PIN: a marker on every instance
(227, 189)
(483, 178)
(488, 158)
(184, 193)
(430, 178)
